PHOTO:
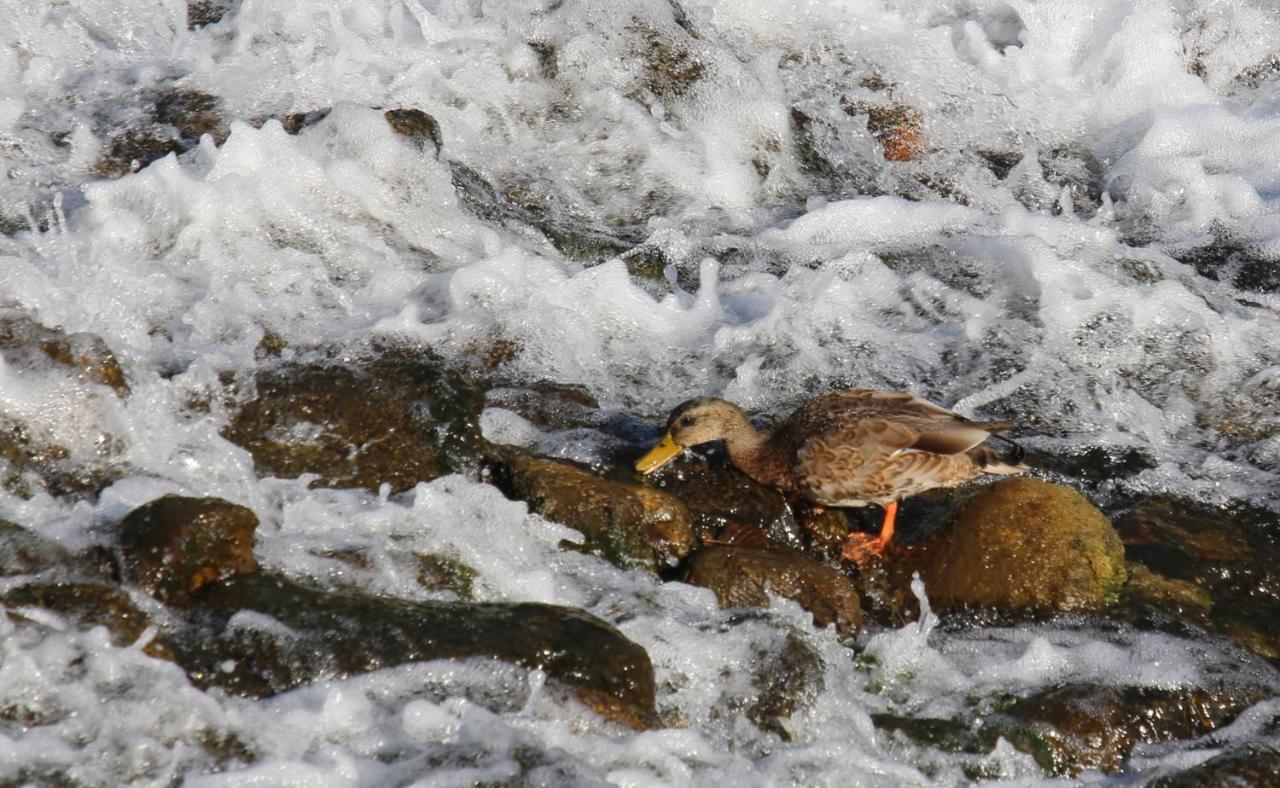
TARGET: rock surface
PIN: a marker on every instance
(740, 576)
(1023, 545)
(1251, 765)
(175, 545)
(1073, 728)
(31, 456)
(24, 552)
(1224, 556)
(400, 418)
(628, 524)
(280, 635)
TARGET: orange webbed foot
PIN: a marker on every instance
(862, 548)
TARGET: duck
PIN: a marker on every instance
(845, 448)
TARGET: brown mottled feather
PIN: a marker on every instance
(861, 446)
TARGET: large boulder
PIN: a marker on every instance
(175, 545)
(1023, 545)
(257, 635)
(626, 523)
(741, 576)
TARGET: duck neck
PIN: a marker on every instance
(745, 445)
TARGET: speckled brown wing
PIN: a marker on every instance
(860, 445)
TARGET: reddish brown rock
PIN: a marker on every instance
(175, 545)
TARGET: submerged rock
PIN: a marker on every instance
(1227, 555)
(175, 545)
(1073, 728)
(37, 455)
(1023, 545)
(740, 576)
(628, 524)
(398, 419)
(172, 121)
(258, 635)
(787, 679)
(1179, 597)
(23, 552)
(86, 604)
(1254, 765)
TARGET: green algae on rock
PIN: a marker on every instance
(398, 419)
(1023, 545)
(174, 545)
(628, 524)
(741, 576)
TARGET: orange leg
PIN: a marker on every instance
(886, 528)
(860, 547)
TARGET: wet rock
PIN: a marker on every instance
(1255, 765)
(951, 736)
(1182, 599)
(898, 130)
(86, 604)
(1023, 545)
(171, 121)
(1077, 727)
(787, 679)
(1230, 554)
(202, 13)
(175, 545)
(419, 127)
(31, 457)
(521, 206)
(25, 343)
(719, 495)
(399, 419)
(23, 552)
(297, 121)
(740, 576)
(257, 635)
(670, 66)
(628, 524)
(547, 405)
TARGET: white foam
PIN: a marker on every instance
(1024, 295)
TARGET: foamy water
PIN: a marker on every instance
(1056, 294)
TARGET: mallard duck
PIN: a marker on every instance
(844, 448)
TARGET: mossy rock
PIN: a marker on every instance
(628, 524)
(398, 419)
(741, 576)
(1023, 545)
(310, 635)
(175, 545)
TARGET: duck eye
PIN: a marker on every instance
(686, 421)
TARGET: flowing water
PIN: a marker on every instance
(650, 201)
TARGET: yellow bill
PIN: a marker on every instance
(659, 455)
